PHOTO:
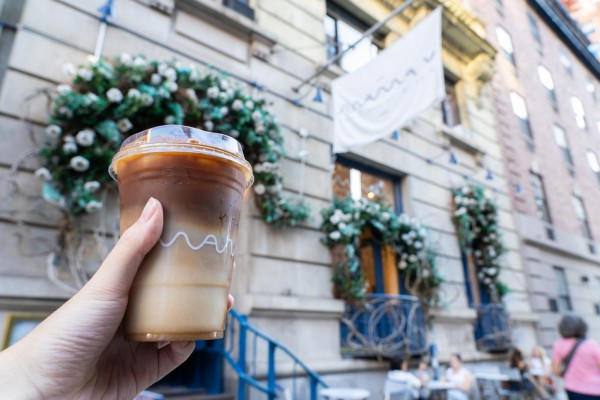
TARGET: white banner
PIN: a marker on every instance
(403, 81)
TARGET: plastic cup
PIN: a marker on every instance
(181, 289)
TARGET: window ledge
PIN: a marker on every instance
(463, 138)
(227, 18)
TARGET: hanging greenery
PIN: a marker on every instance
(346, 220)
(109, 101)
(475, 218)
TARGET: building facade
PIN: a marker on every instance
(547, 107)
(587, 14)
(283, 280)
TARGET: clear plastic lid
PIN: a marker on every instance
(182, 139)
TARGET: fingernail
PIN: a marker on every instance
(149, 210)
(160, 345)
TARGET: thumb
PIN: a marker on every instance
(115, 275)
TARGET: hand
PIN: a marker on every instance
(79, 351)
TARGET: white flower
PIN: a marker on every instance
(134, 93)
(53, 131)
(491, 252)
(162, 67)
(93, 206)
(303, 133)
(477, 253)
(43, 174)
(124, 124)
(466, 190)
(85, 137)
(191, 93)
(223, 96)
(418, 245)
(126, 59)
(402, 265)
(258, 168)
(69, 69)
(342, 226)
(139, 62)
(422, 232)
(194, 75)
(256, 116)
(147, 99)
(346, 217)
(91, 97)
(259, 189)
(79, 164)
(426, 273)
(234, 134)
(259, 128)
(91, 186)
(386, 216)
(404, 256)
(249, 104)
(460, 211)
(69, 147)
(63, 89)
(209, 125)
(412, 258)
(212, 92)
(85, 73)
(224, 84)
(170, 74)
(334, 219)
(69, 138)
(224, 111)
(335, 235)
(171, 86)
(237, 105)
(114, 95)
(170, 119)
(155, 79)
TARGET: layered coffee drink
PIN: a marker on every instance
(181, 289)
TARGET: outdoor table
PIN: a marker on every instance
(439, 389)
(344, 394)
(492, 376)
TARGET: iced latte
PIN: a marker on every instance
(180, 291)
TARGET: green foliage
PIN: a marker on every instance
(343, 224)
(475, 218)
(109, 101)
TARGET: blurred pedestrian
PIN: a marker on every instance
(540, 368)
(461, 379)
(577, 359)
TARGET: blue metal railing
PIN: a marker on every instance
(492, 328)
(384, 326)
(240, 366)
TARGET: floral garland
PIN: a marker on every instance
(343, 224)
(109, 101)
(475, 218)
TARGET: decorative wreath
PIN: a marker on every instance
(476, 220)
(346, 220)
(109, 101)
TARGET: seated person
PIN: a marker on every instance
(401, 380)
(461, 379)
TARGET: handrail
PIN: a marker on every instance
(240, 367)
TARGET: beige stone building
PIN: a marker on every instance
(283, 279)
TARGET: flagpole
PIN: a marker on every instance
(367, 33)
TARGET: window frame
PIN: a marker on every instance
(584, 222)
(566, 151)
(550, 92)
(593, 153)
(560, 280)
(545, 210)
(509, 55)
(534, 28)
(579, 117)
(524, 123)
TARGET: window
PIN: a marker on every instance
(548, 82)
(520, 110)
(450, 110)
(342, 30)
(240, 6)
(565, 60)
(539, 196)
(499, 4)
(582, 217)
(591, 88)
(562, 290)
(579, 112)
(561, 140)
(377, 260)
(506, 44)
(533, 27)
(593, 162)
(588, 29)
